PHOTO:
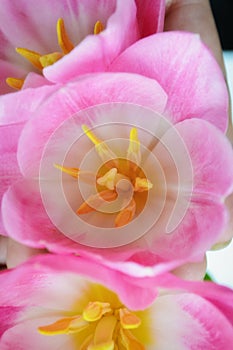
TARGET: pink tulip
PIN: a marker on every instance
(55, 302)
(46, 54)
(187, 159)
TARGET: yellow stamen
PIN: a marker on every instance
(15, 83)
(32, 56)
(95, 310)
(96, 201)
(128, 319)
(102, 148)
(109, 179)
(134, 152)
(126, 215)
(63, 40)
(49, 59)
(98, 28)
(104, 334)
(65, 325)
(142, 184)
(74, 172)
(129, 341)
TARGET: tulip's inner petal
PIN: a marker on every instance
(186, 70)
(89, 91)
(117, 178)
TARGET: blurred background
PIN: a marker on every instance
(220, 263)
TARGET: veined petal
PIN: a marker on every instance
(193, 323)
(103, 51)
(89, 91)
(9, 169)
(19, 107)
(26, 227)
(186, 69)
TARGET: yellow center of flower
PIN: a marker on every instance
(104, 327)
(41, 61)
(120, 182)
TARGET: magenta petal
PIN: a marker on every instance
(58, 279)
(186, 70)
(88, 91)
(150, 15)
(202, 331)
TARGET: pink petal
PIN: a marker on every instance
(18, 107)
(88, 91)
(25, 336)
(186, 70)
(193, 323)
(9, 170)
(221, 297)
(196, 198)
(96, 52)
(150, 15)
(211, 155)
(23, 202)
(45, 281)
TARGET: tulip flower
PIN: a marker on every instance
(82, 304)
(122, 165)
(55, 41)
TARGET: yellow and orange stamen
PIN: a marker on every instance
(40, 61)
(118, 180)
(105, 327)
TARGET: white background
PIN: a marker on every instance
(220, 263)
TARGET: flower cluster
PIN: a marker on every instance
(115, 163)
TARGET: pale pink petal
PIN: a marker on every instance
(197, 197)
(199, 229)
(221, 297)
(186, 70)
(18, 253)
(25, 336)
(96, 52)
(191, 322)
(212, 158)
(88, 91)
(227, 233)
(3, 250)
(34, 80)
(192, 271)
(150, 15)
